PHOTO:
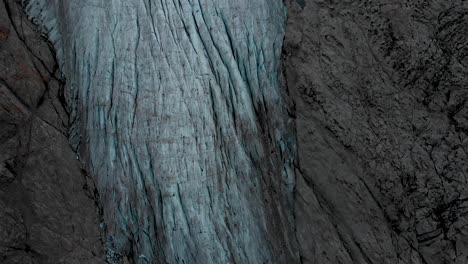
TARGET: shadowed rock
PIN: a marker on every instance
(381, 100)
(47, 212)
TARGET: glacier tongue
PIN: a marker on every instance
(180, 113)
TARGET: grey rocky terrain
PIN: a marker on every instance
(47, 204)
(249, 131)
(380, 90)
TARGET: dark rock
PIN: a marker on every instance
(45, 215)
(381, 96)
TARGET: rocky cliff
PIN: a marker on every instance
(47, 207)
(381, 94)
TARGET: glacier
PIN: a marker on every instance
(180, 112)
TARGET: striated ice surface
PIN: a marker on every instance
(179, 112)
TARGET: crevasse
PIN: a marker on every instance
(180, 115)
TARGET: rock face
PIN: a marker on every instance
(46, 213)
(179, 111)
(381, 94)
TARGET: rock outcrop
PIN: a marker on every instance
(47, 208)
(381, 94)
